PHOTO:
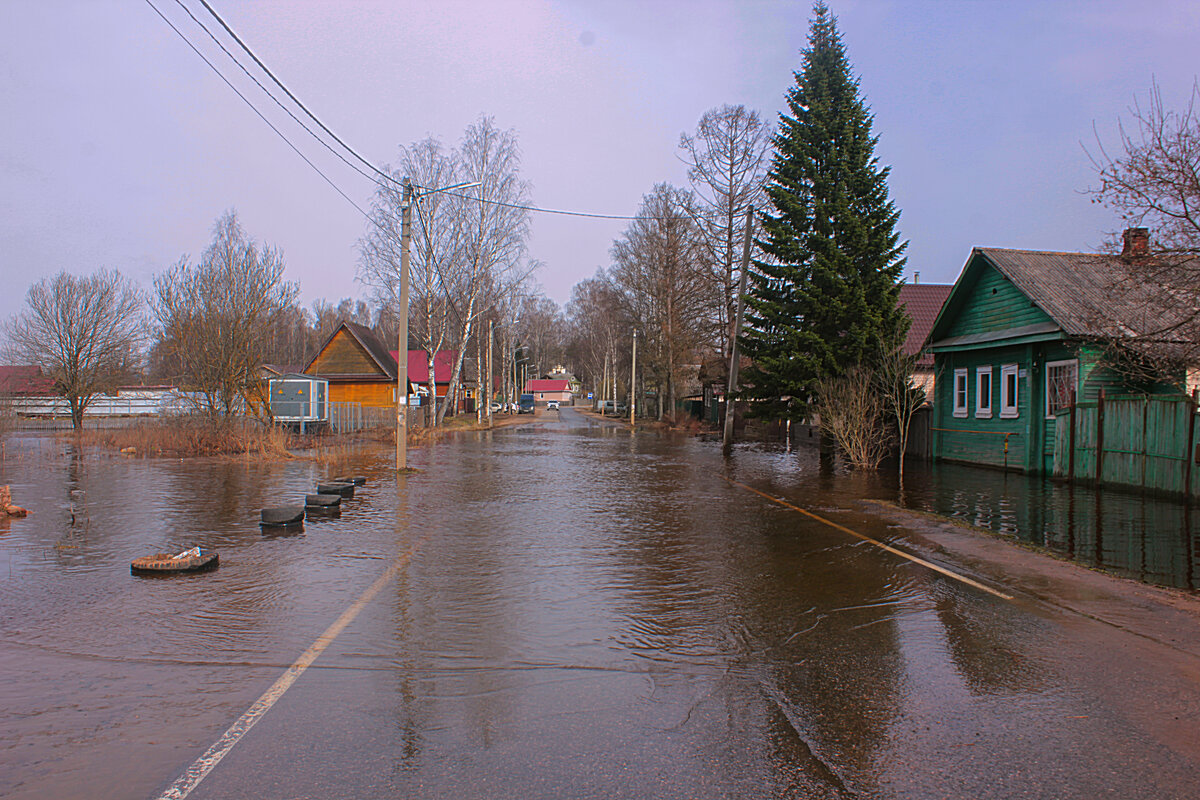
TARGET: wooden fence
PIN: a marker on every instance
(1144, 441)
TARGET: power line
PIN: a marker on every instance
(279, 133)
(335, 137)
(295, 99)
(349, 149)
(267, 92)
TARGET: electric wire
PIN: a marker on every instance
(267, 92)
(382, 174)
(253, 108)
(354, 153)
(295, 99)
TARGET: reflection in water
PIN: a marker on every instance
(1134, 535)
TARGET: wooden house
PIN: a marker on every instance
(358, 366)
(1023, 334)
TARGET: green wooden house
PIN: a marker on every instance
(1022, 334)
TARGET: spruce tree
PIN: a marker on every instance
(824, 295)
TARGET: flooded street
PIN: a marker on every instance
(563, 609)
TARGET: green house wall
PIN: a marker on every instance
(992, 304)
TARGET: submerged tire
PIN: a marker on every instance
(323, 500)
(283, 515)
(164, 564)
(344, 489)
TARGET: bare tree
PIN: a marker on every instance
(658, 269)
(1154, 181)
(901, 397)
(84, 332)
(727, 161)
(851, 410)
(494, 225)
(214, 317)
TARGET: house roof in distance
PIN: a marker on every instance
(418, 365)
(547, 385)
(25, 380)
(922, 302)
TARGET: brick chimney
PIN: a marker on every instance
(1137, 243)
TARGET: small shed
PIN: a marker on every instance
(300, 399)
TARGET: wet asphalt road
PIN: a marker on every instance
(573, 611)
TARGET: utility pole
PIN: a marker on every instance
(633, 381)
(402, 353)
(406, 203)
(727, 439)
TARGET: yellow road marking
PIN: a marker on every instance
(189, 780)
(876, 542)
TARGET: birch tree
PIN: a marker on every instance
(493, 223)
(436, 248)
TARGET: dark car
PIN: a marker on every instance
(526, 404)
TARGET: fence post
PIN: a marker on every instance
(1071, 443)
(1189, 454)
(1100, 438)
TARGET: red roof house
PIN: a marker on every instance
(545, 389)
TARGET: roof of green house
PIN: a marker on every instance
(1089, 295)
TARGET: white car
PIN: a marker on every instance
(552, 404)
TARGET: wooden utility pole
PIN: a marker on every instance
(402, 354)
(633, 381)
(727, 439)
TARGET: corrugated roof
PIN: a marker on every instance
(922, 302)
(1093, 295)
(374, 347)
(418, 365)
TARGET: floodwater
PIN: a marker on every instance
(563, 609)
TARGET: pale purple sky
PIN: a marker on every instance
(120, 147)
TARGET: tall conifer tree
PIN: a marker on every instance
(825, 293)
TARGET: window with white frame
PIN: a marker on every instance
(960, 392)
(983, 391)
(1009, 392)
(1062, 381)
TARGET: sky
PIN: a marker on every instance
(121, 147)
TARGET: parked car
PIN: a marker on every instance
(552, 404)
(496, 408)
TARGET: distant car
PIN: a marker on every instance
(552, 404)
(496, 408)
(526, 404)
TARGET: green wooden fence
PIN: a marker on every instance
(1140, 441)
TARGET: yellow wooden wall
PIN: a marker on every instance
(369, 394)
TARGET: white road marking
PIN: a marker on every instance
(188, 781)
